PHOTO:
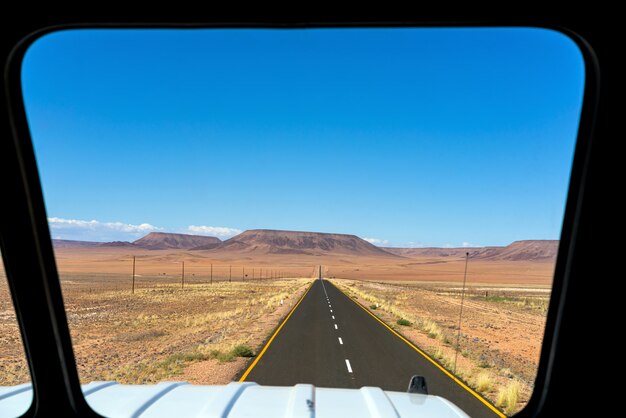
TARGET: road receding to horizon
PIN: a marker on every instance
(331, 341)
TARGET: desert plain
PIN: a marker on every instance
(201, 308)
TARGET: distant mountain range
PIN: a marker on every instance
(267, 241)
(70, 243)
(527, 250)
(152, 241)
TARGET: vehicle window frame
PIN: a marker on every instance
(27, 247)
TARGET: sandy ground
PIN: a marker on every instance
(13, 367)
(167, 263)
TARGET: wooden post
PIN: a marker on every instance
(211, 273)
(230, 273)
(182, 278)
(133, 291)
(243, 273)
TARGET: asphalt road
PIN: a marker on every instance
(330, 341)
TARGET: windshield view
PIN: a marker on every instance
(337, 207)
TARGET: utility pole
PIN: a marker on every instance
(320, 272)
(211, 273)
(458, 336)
(230, 273)
(182, 279)
(133, 291)
(243, 273)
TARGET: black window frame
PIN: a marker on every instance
(27, 247)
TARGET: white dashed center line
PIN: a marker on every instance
(348, 366)
(336, 326)
(340, 341)
(333, 316)
(331, 311)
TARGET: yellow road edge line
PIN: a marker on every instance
(413, 346)
(256, 360)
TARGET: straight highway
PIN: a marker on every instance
(329, 340)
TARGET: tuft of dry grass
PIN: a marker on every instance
(446, 359)
(432, 329)
(508, 397)
(483, 382)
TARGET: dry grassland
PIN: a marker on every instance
(201, 333)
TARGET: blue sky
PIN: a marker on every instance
(407, 137)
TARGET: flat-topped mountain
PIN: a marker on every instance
(166, 240)
(299, 242)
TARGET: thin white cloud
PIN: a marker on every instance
(464, 244)
(98, 231)
(93, 230)
(214, 231)
(377, 241)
